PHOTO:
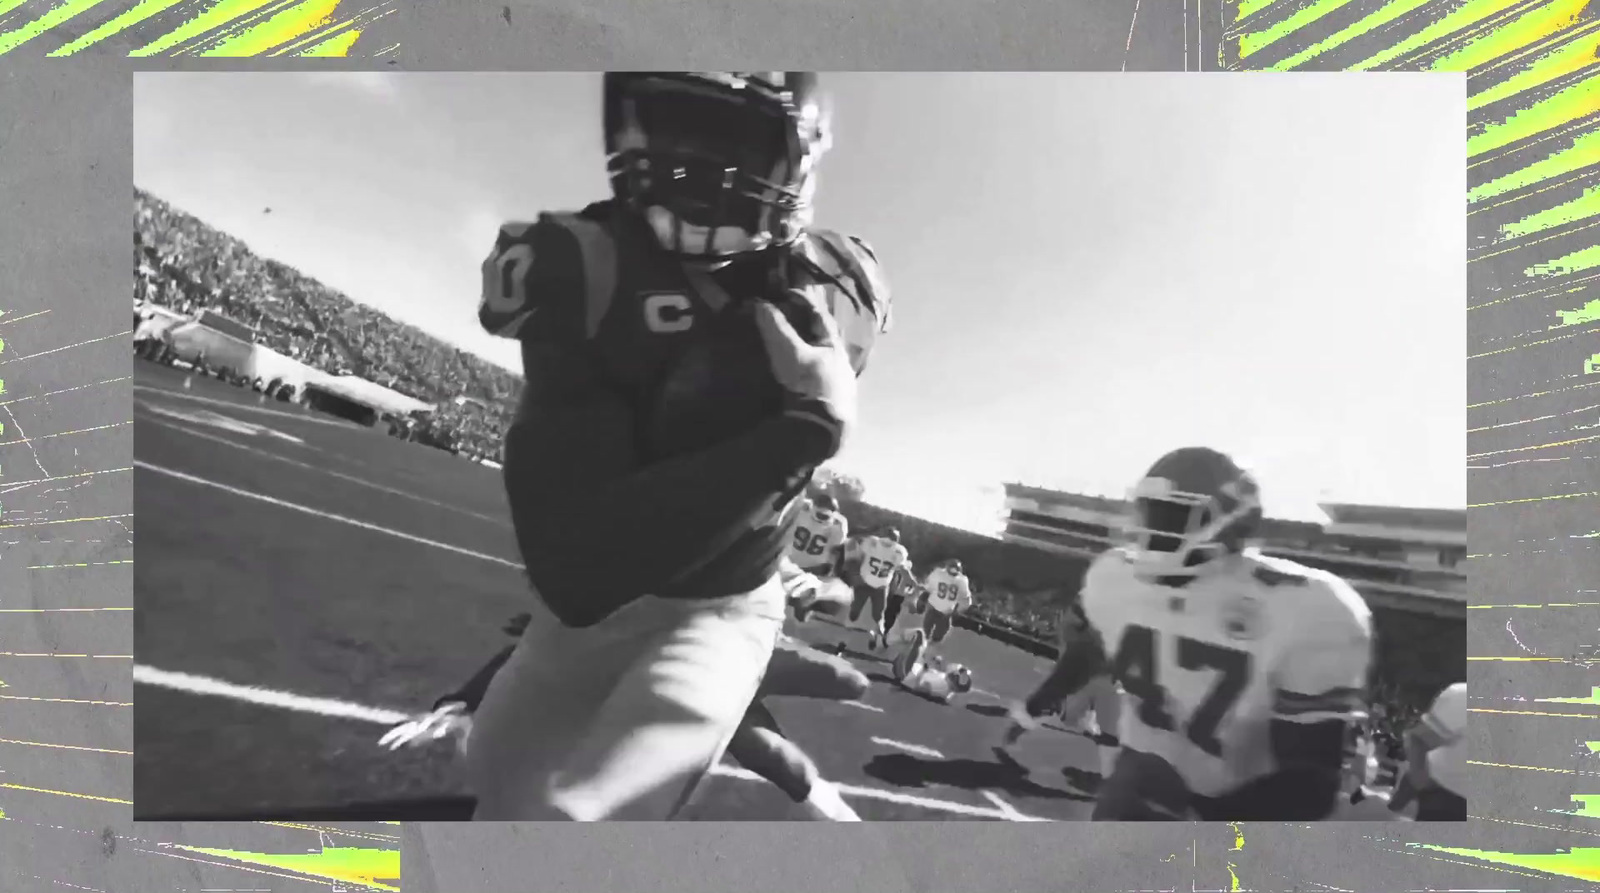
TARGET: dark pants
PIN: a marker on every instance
(866, 595)
(1435, 804)
(891, 610)
(1055, 688)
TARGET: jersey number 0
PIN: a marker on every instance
(1135, 666)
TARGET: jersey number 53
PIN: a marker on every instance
(1136, 667)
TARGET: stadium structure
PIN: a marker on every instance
(1410, 559)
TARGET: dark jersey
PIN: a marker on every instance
(604, 317)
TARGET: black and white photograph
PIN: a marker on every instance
(798, 446)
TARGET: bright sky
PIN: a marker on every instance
(1088, 269)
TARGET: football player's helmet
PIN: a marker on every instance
(825, 506)
(960, 678)
(1193, 505)
(720, 163)
(954, 565)
(891, 534)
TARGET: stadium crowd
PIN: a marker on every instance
(184, 264)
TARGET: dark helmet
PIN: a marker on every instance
(720, 163)
(1192, 505)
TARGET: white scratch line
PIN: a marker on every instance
(66, 347)
(862, 706)
(1515, 639)
(410, 537)
(909, 748)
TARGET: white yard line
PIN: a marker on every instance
(917, 749)
(212, 401)
(266, 697)
(330, 707)
(333, 708)
(248, 494)
(336, 474)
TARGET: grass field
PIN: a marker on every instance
(303, 581)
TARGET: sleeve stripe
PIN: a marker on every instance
(1343, 691)
(1341, 701)
(1316, 716)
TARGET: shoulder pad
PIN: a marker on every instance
(553, 277)
(1272, 576)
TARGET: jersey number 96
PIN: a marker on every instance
(807, 544)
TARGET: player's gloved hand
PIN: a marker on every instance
(449, 720)
(813, 369)
(802, 589)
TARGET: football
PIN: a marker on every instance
(721, 385)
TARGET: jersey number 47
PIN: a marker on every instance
(1136, 667)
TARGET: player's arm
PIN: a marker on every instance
(1319, 691)
(472, 693)
(1073, 670)
(575, 486)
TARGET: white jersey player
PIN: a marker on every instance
(818, 536)
(948, 591)
(929, 675)
(1436, 757)
(1242, 673)
(879, 557)
(817, 545)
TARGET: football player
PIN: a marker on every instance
(903, 586)
(1436, 761)
(816, 546)
(948, 591)
(1241, 672)
(1099, 695)
(690, 348)
(880, 555)
(926, 674)
(1360, 800)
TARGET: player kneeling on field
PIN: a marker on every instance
(927, 675)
